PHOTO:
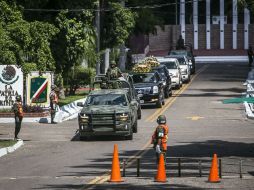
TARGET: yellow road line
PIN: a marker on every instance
(105, 177)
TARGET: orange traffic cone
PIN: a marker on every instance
(115, 171)
(214, 174)
(161, 172)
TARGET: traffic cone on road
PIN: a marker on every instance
(115, 171)
(214, 174)
(161, 172)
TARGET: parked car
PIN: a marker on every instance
(189, 55)
(149, 87)
(184, 65)
(166, 78)
(174, 69)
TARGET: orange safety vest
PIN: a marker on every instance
(54, 98)
(164, 139)
(20, 110)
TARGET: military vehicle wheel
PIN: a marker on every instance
(139, 113)
(130, 136)
(135, 127)
(159, 102)
(167, 93)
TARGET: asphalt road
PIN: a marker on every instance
(200, 125)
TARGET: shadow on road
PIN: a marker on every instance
(190, 153)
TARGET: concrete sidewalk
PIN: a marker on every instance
(10, 149)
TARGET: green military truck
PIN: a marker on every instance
(109, 110)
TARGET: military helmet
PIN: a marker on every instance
(161, 119)
(18, 98)
(113, 63)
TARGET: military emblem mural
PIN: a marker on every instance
(11, 84)
(38, 88)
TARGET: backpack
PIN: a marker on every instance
(160, 132)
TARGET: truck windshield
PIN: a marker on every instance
(106, 99)
(143, 78)
(170, 64)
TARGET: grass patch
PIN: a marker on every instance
(70, 99)
(6, 143)
(5, 110)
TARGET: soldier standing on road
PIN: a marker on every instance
(180, 43)
(160, 137)
(250, 56)
(53, 102)
(113, 72)
(18, 114)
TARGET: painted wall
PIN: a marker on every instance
(11, 85)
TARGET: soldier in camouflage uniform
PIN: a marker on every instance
(18, 115)
(113, 73)
(53, 102)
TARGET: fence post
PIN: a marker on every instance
(138, 167)
(124, 166)
(220, 168)
(179, 167)
(200, 168)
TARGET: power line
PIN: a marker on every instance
(131, 7)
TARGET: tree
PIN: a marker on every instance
(26, 44)
(78, 43)
(247, 3)
(118, 23)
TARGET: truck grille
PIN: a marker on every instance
(103, 121)
(143, 90)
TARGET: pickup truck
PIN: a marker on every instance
(109, 111)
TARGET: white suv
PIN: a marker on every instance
(184, 65)
(174, 69)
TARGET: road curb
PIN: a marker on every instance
(10, 149)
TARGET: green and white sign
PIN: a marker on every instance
(38, 88)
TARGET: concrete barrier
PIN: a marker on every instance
(221, 59)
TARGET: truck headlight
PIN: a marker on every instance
(155, 89)
(83, 118)
(184, 71)
(123, 117)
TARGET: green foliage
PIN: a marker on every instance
(78, 39)
(58, 80)
(70, 99)
(146, 22)
(26, 44)
(6, 143)
(247, 3)
(119, 23)
(9, 13)
(85, 75)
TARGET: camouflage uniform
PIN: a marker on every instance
(53, 103)
(113, 73)
(18, 115)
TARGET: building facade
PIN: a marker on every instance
(207, 27)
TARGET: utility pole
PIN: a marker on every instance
(176, 11)
(122, 58)
(97, 25)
